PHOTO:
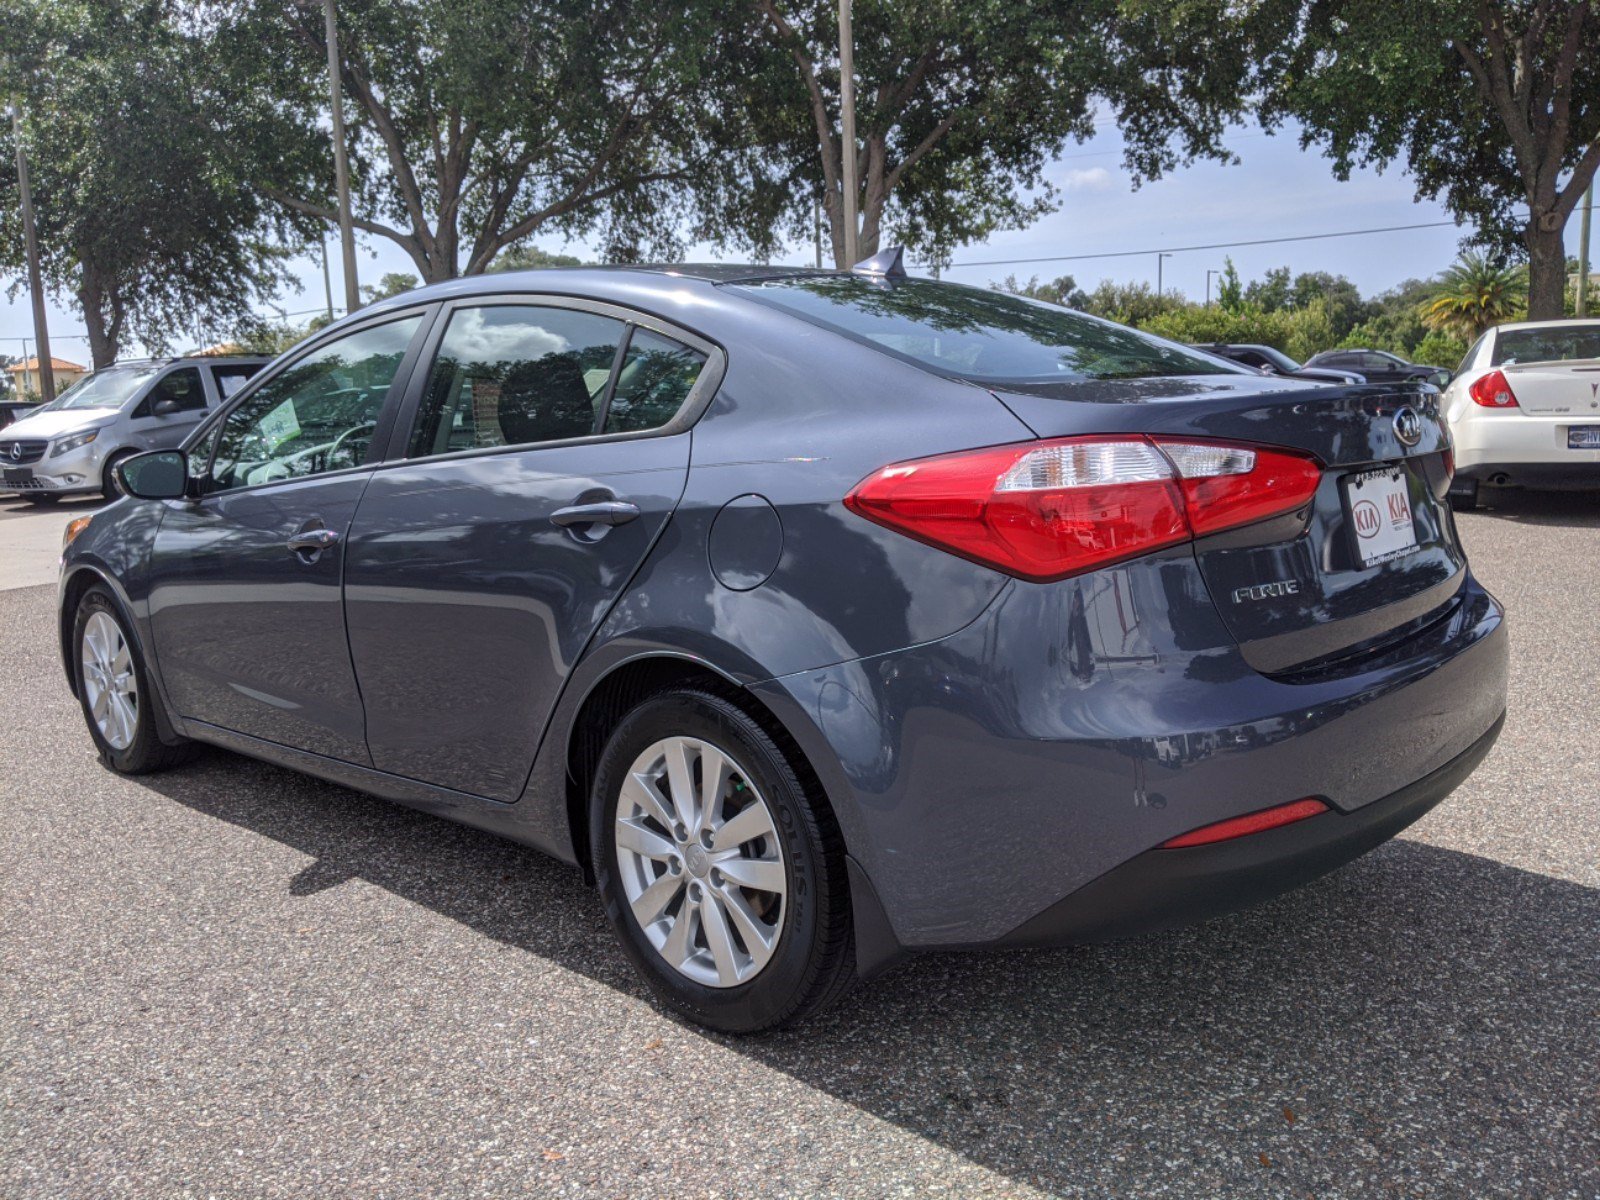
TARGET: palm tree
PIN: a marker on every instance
(1475, 294)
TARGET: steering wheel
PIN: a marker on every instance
(328, 455)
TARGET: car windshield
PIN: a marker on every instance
(1283, 361)
(1558, 343)
(971, 333)
(110, 388)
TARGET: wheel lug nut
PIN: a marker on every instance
(716, 877)
(679, 832)
(694, 892)
(707, 838)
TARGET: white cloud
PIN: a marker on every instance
(1088, 179)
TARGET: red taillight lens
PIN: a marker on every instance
(1492, 391)
(1047, 510)
(1256, 822)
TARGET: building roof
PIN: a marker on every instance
(56, 364)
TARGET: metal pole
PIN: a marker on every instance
(30, 238)
(327, 277)
(341, 167)
(1582, 308)
(847, 119)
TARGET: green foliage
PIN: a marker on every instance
(1230, 292)
(144, 221)
(393, 283)
(1272, 292)
(531, 258)
(1300, 333)
(1131, 303)
(1491, 107)
(1439, 350)
(1475, 293)
(1063, 290)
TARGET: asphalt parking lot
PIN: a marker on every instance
(233, 981)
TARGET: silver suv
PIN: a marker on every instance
(69, 446)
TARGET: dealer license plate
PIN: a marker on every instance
(1379, 503)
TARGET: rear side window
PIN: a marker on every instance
(1556, 344)
(977, 334)
(521, 374)
(231, 378)
(656, 377)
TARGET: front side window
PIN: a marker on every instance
(971, 333)
(317, 415)
(182, 387)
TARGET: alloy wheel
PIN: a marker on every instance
(700, 861)
(109, 683)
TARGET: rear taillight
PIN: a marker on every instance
(1047, 510)
(1492, 391)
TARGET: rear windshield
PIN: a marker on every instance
(1556, 344)
(975, 334)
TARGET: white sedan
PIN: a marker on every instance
(1524, 409)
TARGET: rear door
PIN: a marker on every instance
(245, 579)
(539, 457)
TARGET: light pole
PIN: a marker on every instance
(847, 121)
(30, 240)
(1160, 258)
(1209, 273)
(1582, 308)
(341, 167)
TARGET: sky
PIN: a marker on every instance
(1274, 190)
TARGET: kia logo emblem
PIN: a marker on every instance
(1408, 426)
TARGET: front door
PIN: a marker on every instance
(245, 598)
(547, 451)
(180, 397)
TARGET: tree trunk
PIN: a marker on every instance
(103, 333)
(1547, 271)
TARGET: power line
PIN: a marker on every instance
(1304, 237)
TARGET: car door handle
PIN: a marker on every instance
(602, 512)
(309, 542)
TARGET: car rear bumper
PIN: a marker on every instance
(1554, 475)
(1489, 442)
(985, 778)
(1163, 889)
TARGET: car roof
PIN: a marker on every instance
(196, 359)
(1560, 323)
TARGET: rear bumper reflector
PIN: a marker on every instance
(1256, 822)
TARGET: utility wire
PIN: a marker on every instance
(1304, 237)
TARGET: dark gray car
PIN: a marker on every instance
(819, 617)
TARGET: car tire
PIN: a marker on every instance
(114, 690)
(789, 956)
(1464, 495)
(108, 480)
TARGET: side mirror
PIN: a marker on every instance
(155, 475)
(1441, 379)
(163, 407)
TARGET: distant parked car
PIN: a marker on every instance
(1379, 366)
(68, 447)
(1275, 362)
(1524, 409)
(15, 410)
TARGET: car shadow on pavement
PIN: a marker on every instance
(1425, 1017)
(1561, 510)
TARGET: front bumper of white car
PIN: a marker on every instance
(75, 471)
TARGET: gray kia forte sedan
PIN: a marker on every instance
(819, 617)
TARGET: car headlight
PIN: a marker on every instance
(75, 442)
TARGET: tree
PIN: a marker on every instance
(1131, 303)
(962, 105)
(1273, 292)
(1230, 293)
(1492, 105)
(143, 221)
(476, 126)
(1063, 290)
(1475, 294)
(531, 258)
(393, 283)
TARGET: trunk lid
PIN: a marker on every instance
(1554, 388)
(1336, 580)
